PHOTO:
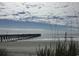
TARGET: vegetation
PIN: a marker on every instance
(62, 49)
(72, 51)
(45, 51)
(3, 52)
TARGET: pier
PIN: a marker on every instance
(15, 37)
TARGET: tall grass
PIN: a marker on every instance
(45, 51)
(62, 49)
(72, 51)
(3, 52)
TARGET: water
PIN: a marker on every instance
(50, 37)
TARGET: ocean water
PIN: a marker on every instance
(55, 37)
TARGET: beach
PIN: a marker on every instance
(28, 47)
(24, 47)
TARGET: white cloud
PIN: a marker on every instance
(39, 9)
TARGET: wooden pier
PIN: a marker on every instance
(14, 37)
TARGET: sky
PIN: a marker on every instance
(38, 16)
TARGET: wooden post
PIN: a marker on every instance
(65, 36)
(1, 38)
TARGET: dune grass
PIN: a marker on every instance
(62, 49)
(3, 52)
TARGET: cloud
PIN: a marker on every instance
(72, 16)
(51, 12)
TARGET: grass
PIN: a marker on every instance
(3, 52)
(62, 49)
(45, 51)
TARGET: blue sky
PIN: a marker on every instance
(39, 15)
